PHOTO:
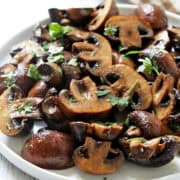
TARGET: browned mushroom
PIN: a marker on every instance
(51, 73)
(97, 157)
(39, 89)
(152, 14)
(123, 77)
(82, 101)
(133, 131)
(148, 123)
(49, 149)
(130, 30)
(96, 53)
(163, 97)
(103, 131)
(154, 153)
(103, 12)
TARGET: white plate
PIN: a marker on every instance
(11, 147)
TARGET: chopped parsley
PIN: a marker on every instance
(8, 127)
(101, 93)
(127, 121)
(56, 30)
(122, 102)
(132, 52)
(122, 48)
(137, 139)
(9, 79)
(25, 108)
(33, 72)
(73, 62)
(110, 31)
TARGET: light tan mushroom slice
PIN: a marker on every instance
(92, 157)
(131, 30)
(97, 53)
(82, 102)
(127, 76)
(104, 11)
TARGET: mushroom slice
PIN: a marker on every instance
(96, 53)
(103, 12)
(174, 33)
(82, 101)
(131, 30)
(124, 76)
(8, 125)
(148, 123)
(152, 14)
(133, 131)
(163, 96)
(173, 123)
(102, 131)
(26, 108)
(154, 153)
(97, 157)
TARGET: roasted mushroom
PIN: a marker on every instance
(103, 131)
(130, 30)
(173, 123)
(133, 131)
(82, 102)
(103, 12)
(96, 53)
(153, 14)
(107, 160)
(49, 149)
(122, 76)
(154, 153)
(51, 73)
(148, 123)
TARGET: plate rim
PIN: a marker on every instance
(16, 159)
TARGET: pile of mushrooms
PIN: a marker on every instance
(107, 86)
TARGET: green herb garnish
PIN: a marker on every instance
(46, 45)
(8, 127)
(73, 62)
(110, 31)
(127, 121)
(122, 102)
(137, 139)
(25, 108)
(101, 93)
(121, 48)
(133, 52)
(33, 72)
(149, 66)
(10, 80)
(56, 30)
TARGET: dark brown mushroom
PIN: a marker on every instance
(147, 122)
(123, 77)
(39, 89)
(152, 14)
(82, 102)
(103, 131)
(154, 153)
(51, 73)
(96, 53)
(105, 10)
(133, 131)
(97, 157)
(173, 123)
(49, 149)
(130, 30)
(57, 15)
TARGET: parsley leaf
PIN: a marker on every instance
(149, 66)
(127, 121)
(101, 93)
(137, 139)
(122, 102)
(133, 52)
(33, 72)
(110, 31)
(56, 30)
(122, 48)
(73, 62)
(25, 108)
(9, 78)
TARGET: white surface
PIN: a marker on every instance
(14, 16)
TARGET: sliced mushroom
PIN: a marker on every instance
(49, 149)
(163, 96)
(152, 14)
(98, 157)
(57, 15)
(10, 126)
(38, 90)
(148, 123)
(154, 153)
(102, 131)
(133, 131)
(96, 53)
(82, 101)
(51, 73)
(130, 30)
(26, 108)
(173, 123)
(122, 76)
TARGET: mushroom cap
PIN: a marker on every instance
(126, 76)
(82, 101)
(92, 157)
(131, 30)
